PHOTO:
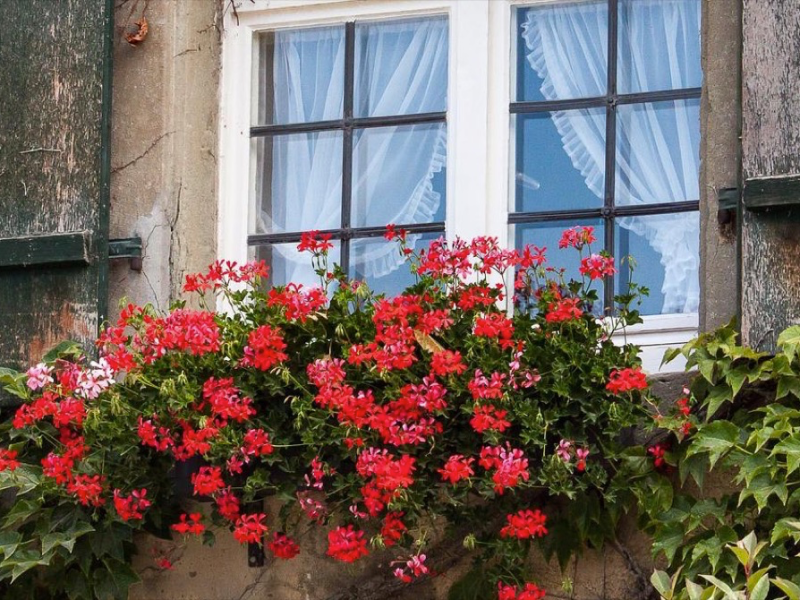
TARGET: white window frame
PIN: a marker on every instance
(478, 124)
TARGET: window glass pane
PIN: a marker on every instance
(379, 262)
(401, 67)
(287, 265)
(560, 160)
(659, 45)
(399, 175)
(298, 183)
(300, 76)
(658, 152)
(548, 234)
(562, 51)
(665, 251)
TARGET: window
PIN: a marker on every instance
(606, 132)
(378, 111)
(349, 134)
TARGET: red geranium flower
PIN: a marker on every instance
(346, 544)
(8, 459)
(626, 380)
(250, 529)
(525, 524)
(283, 546)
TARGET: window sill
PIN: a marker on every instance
(657, 334)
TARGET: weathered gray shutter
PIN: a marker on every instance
(55, 98)
(771, 169)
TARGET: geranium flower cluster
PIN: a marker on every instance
(365, 413)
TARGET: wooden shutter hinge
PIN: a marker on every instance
(727, 205)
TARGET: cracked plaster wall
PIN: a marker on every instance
(164, 139)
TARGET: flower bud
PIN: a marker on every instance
(469, 542)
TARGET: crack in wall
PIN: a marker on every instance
(143, 154)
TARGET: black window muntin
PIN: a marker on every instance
(610, 101)
(347, 124)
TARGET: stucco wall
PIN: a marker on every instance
(164, 140)
(165, 119)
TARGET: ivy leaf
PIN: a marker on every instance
(668, 540)
(762, 488)
(790, 447)
(13, 383)
(716, 439)
(24, 479)
(760, 437)
(661, 493)
(736, 378)
(9, 542)
(53, 540)
(77, 585)
(788, 385)
(696, 466)
(23, 561)
(710, 548)
(80, 528)
(23, 509)
(789, 341)
(109, 541)
(706, 368)
(784, 528)
(669, 355)
(719, 395)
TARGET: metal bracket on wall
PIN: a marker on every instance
(727, 205)
(255, 552)
(130, 248)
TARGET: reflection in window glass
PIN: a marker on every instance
(556, 170)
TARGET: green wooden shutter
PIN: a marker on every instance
(55, 99)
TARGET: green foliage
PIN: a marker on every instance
(543, 371)
(749, 440)
(750, 582)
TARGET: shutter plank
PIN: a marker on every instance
(54, 111)
(770, 164)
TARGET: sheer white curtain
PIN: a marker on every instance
(401, 68)
(657, 144)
